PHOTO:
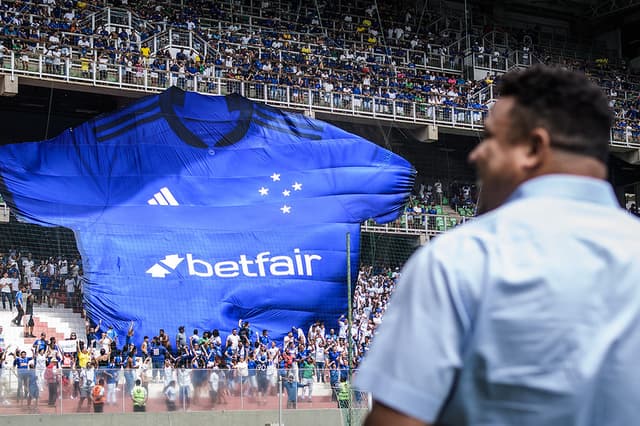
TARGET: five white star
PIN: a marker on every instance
(275, 177)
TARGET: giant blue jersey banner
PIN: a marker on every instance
(198, 211)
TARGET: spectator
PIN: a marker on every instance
(291, 386)
(19, 301)
(307, 369)
(34, 390)
(22, 364)
(171, 395)
(214, 385)
(52, 377)
(28, 329)
(5, 292)
(87, 382)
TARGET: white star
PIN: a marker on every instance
(285, 209)
(297, 186)
(275, 177)
(263, 191)
(286, 192)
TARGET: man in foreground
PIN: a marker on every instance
(530, 314)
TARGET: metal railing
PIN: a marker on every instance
(428, 225)
(111, 18)
(500, 64)
(218, 80)
(176, 39)
(99, 72)
(405, 58)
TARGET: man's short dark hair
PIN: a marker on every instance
(573, 109)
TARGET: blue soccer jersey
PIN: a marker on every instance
(196, 210)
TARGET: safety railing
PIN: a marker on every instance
(417, 224)
(60, 391)
(115, 18)
(178, 39)
(404, 58)
(406, 107)
(110, 18)
(99, 72)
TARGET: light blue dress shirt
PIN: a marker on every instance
(529, 315)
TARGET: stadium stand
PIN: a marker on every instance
(246, 364)
(84, 351)
(346, 59)
(311, 54)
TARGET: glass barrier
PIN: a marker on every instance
(67, 391)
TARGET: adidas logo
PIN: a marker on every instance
(163, 198)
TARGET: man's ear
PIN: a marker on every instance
(538, 148)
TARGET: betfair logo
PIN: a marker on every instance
(262, 265)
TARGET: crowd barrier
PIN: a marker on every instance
(237, 390)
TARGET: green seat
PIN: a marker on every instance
(438, 209)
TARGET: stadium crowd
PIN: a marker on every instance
(247, 361)
(347, 55)
(50, 281)
(298, 51)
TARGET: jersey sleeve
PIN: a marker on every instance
(53, 182)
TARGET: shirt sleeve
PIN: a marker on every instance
(417, 351)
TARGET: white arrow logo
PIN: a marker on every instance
(172, 260)
(157, 271)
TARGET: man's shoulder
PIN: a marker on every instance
(464, 240)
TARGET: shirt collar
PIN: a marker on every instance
(579, 188)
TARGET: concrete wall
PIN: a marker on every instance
(324, 417)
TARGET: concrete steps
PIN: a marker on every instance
(56, 322)
(13, 335)
(321, 389)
